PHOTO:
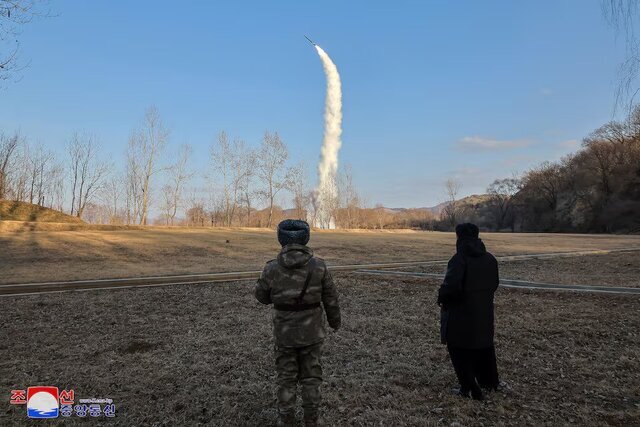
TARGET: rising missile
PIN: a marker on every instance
(310, 41)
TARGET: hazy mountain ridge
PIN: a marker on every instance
(436, 210)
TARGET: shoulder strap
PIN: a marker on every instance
(312, 266)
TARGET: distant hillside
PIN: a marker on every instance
(475, 200)
(434, 209)
(469, 201)
(22, 211)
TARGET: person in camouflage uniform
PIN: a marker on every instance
(298, 285)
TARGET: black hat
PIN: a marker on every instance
(293, 231)
(467, 231)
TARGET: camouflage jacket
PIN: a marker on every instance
(282, 281)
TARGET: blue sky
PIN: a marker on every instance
(431, 90)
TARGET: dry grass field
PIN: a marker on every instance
(616, 269)
(202, 355)
(36, 256)
(34, 214)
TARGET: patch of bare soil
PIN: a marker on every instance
(620, 269)
(202, 354)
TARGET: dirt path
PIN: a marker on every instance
(510, 283)
(42, 256)
(22, 289)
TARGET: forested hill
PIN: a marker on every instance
(596, 189)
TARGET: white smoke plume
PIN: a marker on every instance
(326, 193)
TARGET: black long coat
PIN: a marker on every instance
(466, 296)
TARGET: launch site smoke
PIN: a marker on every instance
(326, 192)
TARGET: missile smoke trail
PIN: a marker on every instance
(326, 191)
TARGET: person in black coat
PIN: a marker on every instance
(467, 319)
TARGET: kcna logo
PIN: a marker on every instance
(42, 402)
(49, 402)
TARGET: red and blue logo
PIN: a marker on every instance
(42, 402)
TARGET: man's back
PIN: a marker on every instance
(298, 285)
(467, 296)
(300, 322)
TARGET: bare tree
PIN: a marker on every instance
(196, 214)
(145, 148)
(14, 14)
(623, 17)
(133, 177)
(167, 203)
(8, 152)
(314, 214)
(352, 199)
(246, 181)
(112, 197)
(179, 175)
(215, 211)
(87, 171)
(301, 194)
(547, 179)
(501, 192)
(57, 178)
(39, 160)
(272, 170)
(234, 163)
(450, 211)
(221, 153)
(602, 161)
(20, 179)
(381, 215)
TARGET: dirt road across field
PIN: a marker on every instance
(511, 283)
(135, 282)
(45, 256)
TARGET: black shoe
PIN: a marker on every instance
(457, 391)
(475, 394)
(461, 393)
(488, 388)
(500, 387)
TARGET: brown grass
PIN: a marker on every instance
(27, 212)
(90, 254)
(617, 269)
(202, 354)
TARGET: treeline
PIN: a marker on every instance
(153, 178)
(596, 189)
(155, 183)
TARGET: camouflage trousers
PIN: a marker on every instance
(299, 365)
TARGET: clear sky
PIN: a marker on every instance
(431, 89)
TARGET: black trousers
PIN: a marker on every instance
(475, 368)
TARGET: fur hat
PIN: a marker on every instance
(293, 231)
(467, 231)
